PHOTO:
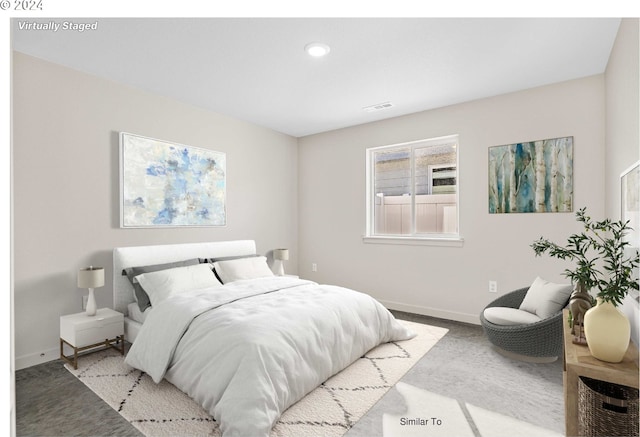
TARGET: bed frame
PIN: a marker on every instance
(136, 256)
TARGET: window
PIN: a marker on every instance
(412, 189)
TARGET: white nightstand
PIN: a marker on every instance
(82, 332)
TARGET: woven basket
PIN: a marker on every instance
(606, 409)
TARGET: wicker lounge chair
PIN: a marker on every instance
(539, 340)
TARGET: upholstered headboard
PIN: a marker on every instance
(136, 256)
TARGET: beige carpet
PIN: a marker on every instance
(330, 410)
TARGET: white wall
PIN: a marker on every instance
(449, 282)
(66, 188)
(623, 127)
(622, 81)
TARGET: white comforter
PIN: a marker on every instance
(249, 350)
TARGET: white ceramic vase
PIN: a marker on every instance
(607, 331)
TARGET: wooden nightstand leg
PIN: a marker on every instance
(63, 357)
(119, 340)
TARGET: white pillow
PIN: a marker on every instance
(243, 268)
(509, 316)
(545, 298)
(164, 283)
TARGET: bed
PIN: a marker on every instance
(246, 344)
(126, 257)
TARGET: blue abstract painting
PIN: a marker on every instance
(168, 184)
(535, 176)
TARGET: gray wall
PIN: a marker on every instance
(623, 127)
(449, 282)
(66, 188)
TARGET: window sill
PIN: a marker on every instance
(456, 241)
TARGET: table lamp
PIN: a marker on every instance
(280, 255)
(91, 277)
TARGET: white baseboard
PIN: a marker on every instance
(433, 312)
(38, 358)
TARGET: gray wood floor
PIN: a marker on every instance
(52, 402)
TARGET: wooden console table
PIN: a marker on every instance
(579, 362)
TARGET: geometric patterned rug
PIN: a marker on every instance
(329, 411)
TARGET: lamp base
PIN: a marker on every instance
(279, 267)
(91, 304)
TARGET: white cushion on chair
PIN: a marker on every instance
(545, 298)
(509, 316)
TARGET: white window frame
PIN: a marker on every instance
(434, 239)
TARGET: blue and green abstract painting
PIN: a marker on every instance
(167, 184)
(535, 176)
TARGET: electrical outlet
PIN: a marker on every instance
(314, 267)
(493, 287)
(85, 299)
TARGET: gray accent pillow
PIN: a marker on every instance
(225, 258)
(141, 296)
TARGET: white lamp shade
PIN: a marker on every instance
(91, 277)
(281, 254)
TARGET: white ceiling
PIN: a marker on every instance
(255, 69)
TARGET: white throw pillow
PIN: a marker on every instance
(545, 298)
(164, 283)
(509, 316)
(244, 268)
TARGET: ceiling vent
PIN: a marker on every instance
(378, 107)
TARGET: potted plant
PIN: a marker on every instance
(603, 268)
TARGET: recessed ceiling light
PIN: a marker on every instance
(317, 49)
